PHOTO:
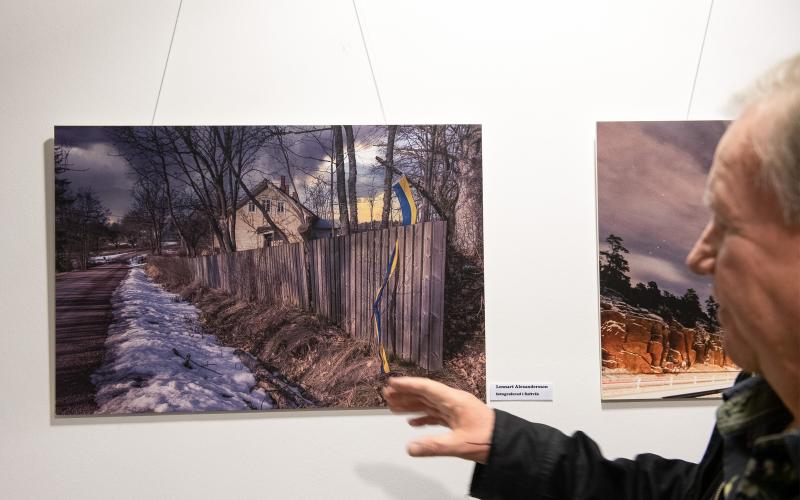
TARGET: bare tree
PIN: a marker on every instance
(81, 220)
(63, 205)
(150, 205)
(468, 210)
(352, 175)
(87, 222)
(195, 230)
(212, 163)
(443, 166)
(426, 195)
(387, 178)
(344, 218)
(317, 197)
(148, 156)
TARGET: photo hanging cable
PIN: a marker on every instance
(166, 62)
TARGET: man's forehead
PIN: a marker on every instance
(735, 165)
(710, 197)
(736, 154)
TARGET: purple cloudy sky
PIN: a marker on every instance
(95, 163)
(650, 181)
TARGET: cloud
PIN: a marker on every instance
(696, 138)
(651, 177)
(98, 168)
(310, 158)
(666, 273)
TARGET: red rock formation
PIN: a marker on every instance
(641, 342)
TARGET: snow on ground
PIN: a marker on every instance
(141, 371)
(101, 259)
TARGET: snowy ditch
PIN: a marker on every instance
(158, 359)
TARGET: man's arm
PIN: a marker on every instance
(520, 459)
(529, 460)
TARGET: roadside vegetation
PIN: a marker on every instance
(331, 368)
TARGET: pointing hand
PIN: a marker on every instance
(470, 421)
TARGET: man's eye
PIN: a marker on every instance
(719, 226)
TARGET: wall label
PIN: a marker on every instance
(521, 391)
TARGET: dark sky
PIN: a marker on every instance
(650, 181)
(96, 163)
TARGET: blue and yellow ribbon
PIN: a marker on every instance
(407, 206)
(376, 308)
(402, 190)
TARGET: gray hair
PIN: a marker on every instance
(779, 151)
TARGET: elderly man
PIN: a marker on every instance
(751, 248)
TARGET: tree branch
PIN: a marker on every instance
(424, 192)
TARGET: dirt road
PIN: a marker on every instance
(83, 313)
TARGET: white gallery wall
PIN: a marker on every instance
(537, 75)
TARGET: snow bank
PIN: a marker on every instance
(141, 371)
(100, 259)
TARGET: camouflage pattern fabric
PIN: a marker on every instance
(761, 458)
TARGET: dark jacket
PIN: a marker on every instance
(529, 460)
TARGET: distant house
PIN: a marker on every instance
(287, 212)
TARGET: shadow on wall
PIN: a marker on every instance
(50, 231)
(404, 482)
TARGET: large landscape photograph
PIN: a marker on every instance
(256, 268)
(660, 336)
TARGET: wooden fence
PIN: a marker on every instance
(270, 275)
(338, 278)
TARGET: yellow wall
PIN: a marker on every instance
(289, 220)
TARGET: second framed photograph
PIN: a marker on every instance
(660, 336)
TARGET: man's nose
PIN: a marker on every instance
(702, 257)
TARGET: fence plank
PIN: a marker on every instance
(389, 292)
(348, 293)
(425, 285)
(357, 276)
(325, 263)
(338, 278)
(397, 292)
(438, 249)
(342, 275)
(384, 306)
(370, 298)
(366, 302)
(319, 275)
(362, 287)
(408, 292)
(416, 277)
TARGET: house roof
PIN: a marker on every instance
(261, 186)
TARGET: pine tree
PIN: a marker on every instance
(712, 308)
(689, 311)
(614, 266)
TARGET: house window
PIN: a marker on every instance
(267, 205)
(280, 207)
(251, 207)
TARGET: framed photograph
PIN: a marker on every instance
(250, 268)
(659, 333)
